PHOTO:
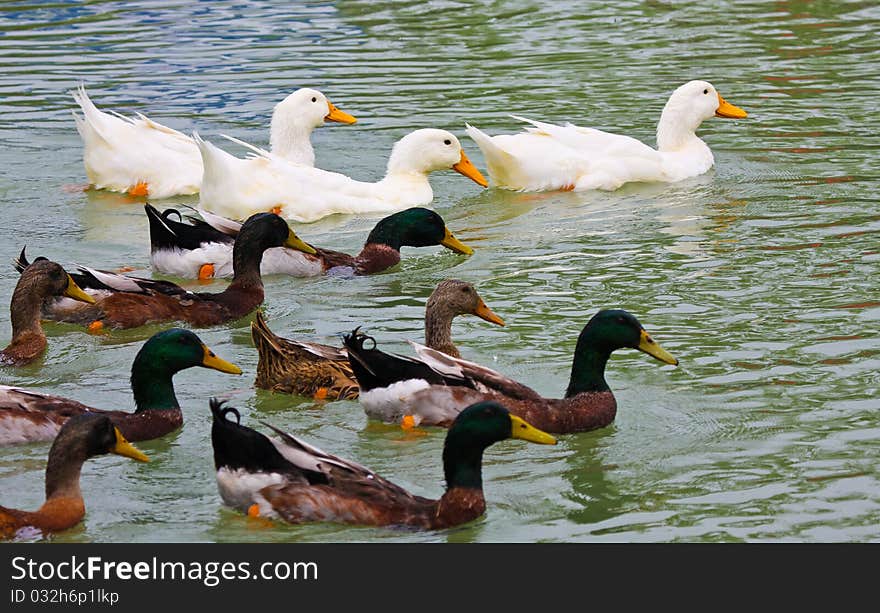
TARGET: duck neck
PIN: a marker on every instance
(25, 313)
(62, 477)
(152, 385)
(588, 366)
(676, 131)
(246, 266)
(438, 330)
(462, 462)
(291, 140)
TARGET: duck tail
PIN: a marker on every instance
(354, 344)
(265, 340)
(93, 120)
(499, 162)
(220, 412)
(21, 262)
(162, 236)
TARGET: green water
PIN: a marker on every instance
(760, 276)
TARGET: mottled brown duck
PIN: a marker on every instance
(322, 371)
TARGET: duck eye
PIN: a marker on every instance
(447, 142)
(314, 99)
(705, 91)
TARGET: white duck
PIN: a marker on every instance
(552, 157)
(142, 157)
(237, 188)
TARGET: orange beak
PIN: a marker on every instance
(484, 312)
(336, 115)
(725, 109)
(467, 168)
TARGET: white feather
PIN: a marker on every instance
(277, 260)
(239, 488)
(120, 151)
(237, 188)
(548, 157)
(392, 403)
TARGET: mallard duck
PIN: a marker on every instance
(81, 438)
(28, 415)
(235, 187)
(41, 280)
(312, 369)
(433, 388)
(552, 157)
(201, 250)
(128, 302)
(142, 157)
(286, 478)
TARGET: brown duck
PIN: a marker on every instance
(128, 302)
(286, 478)
(39, 281)
(82, 437)
(322, 371)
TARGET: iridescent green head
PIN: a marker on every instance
(415, 227)
(606, 332)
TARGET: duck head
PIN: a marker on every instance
(426, 150)
(687, 108)
(415, 227)
(455, 297)
(477, 427)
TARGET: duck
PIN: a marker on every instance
(323, 372)
(28, 416)
(203, 249)
(235, 187)
(288, 479)
(552, 157)
(142, 157)
(39, 281)
(123, 301)
(82, 437)
(432, 388)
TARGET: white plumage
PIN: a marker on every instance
(143, 157)
(552, 157)
(237, 188)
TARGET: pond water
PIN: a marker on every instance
(760, 276)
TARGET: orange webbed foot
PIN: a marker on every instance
(206, 272)
(139, 189)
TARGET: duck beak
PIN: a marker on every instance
(210, 360)
(650, 346)
(450, 242)
(295, 242)
(124, 448)
(336, 115)
(467, 168)
(521, 429)
(73, 291)
(725, 109)
(484, 312)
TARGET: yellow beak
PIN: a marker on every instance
(295, 242)
(650, 346)
(725, 109)
(521, 429)
(124, 448)
(450, 242)
(336, 115)
(73, 291)
(467, 168)
(484, 312)
(212, 361)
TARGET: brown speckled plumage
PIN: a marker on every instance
(313, 369)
